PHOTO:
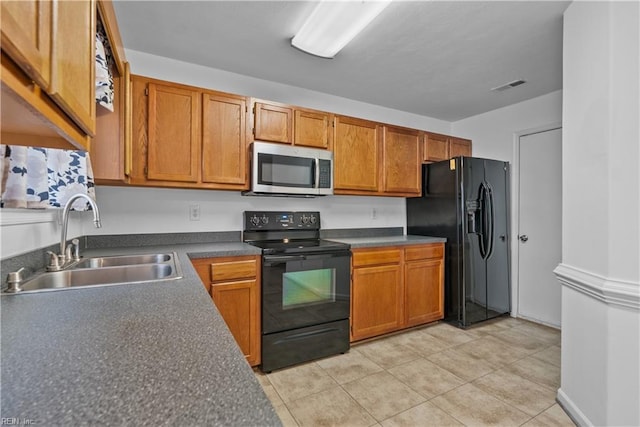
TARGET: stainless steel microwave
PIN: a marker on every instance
(290, 170)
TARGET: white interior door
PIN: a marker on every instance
(540, 225)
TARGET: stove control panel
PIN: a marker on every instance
(281, 220)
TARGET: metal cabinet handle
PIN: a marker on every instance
(524, 238)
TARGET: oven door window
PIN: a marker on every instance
(301, 291)
(305, 288)
(286, 171)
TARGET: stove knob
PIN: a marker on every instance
(255, 220)
(313, 219)
(265, 219)
(305, 219)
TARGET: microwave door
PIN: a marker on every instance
(277, 173)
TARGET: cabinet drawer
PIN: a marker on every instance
(424, 252)
(233, 270)
(376, 257)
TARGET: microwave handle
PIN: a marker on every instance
(316, 177)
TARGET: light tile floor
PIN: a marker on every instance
(504, 372)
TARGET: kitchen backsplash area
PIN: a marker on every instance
(132, 210)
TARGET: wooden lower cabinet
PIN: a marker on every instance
(393, 288)
(377, 293)
(234, 286)
(424, 284)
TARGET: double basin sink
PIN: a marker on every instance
(105, 271)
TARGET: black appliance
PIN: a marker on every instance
(466, 200)
(305, 288)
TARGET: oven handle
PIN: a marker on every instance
(304, 335)
(269, 259)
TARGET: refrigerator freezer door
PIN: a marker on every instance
(474, 293)
(498, 271)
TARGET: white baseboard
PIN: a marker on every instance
(572, 410)
(541, 322)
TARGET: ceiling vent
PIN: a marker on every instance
(509, 85)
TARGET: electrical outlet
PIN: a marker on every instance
(374, 213)
(194, 212)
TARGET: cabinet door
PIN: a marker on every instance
(224, 140)
(355, 154)
(109, 149)
(273, 123)
(436, 147)
(459, 147)
(26, 37)
(73, 61)
(311, 129)
(424, 291)
(238, 304)
(174, 134)
(377, 301)
(401, 161)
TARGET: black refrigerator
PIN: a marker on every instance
(466, 200)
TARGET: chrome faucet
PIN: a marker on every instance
(71, 253)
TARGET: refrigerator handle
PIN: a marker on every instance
(490, 220)
(482, 196)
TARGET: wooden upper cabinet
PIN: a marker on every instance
(401, 160)
(51, 44)
(311, 129)
(224, 139)
(26, 37)
(355, 154)
(459, 147)
(110, 147)
(442, 147)
(436, 147)
(188, 137)
(73, 61)
(174, 133)
(273, 123)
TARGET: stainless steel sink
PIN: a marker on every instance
(111, 261)
(106, 271)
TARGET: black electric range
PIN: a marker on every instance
(305, 287)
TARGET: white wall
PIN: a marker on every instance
(23, 230)
(600, 270)
(135, 210)
(493, 132)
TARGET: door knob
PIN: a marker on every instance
(524, 238)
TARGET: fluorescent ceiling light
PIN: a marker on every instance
(333, 24)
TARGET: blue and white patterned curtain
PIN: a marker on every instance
(104, 78)
(40, 178)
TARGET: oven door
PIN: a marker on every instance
(303, 290)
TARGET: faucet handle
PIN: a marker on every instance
(76, 249)
(54, 262)
(13, 280)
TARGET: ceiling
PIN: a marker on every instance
(433, 58)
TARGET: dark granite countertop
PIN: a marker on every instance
(137, 354)
(374, 241)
